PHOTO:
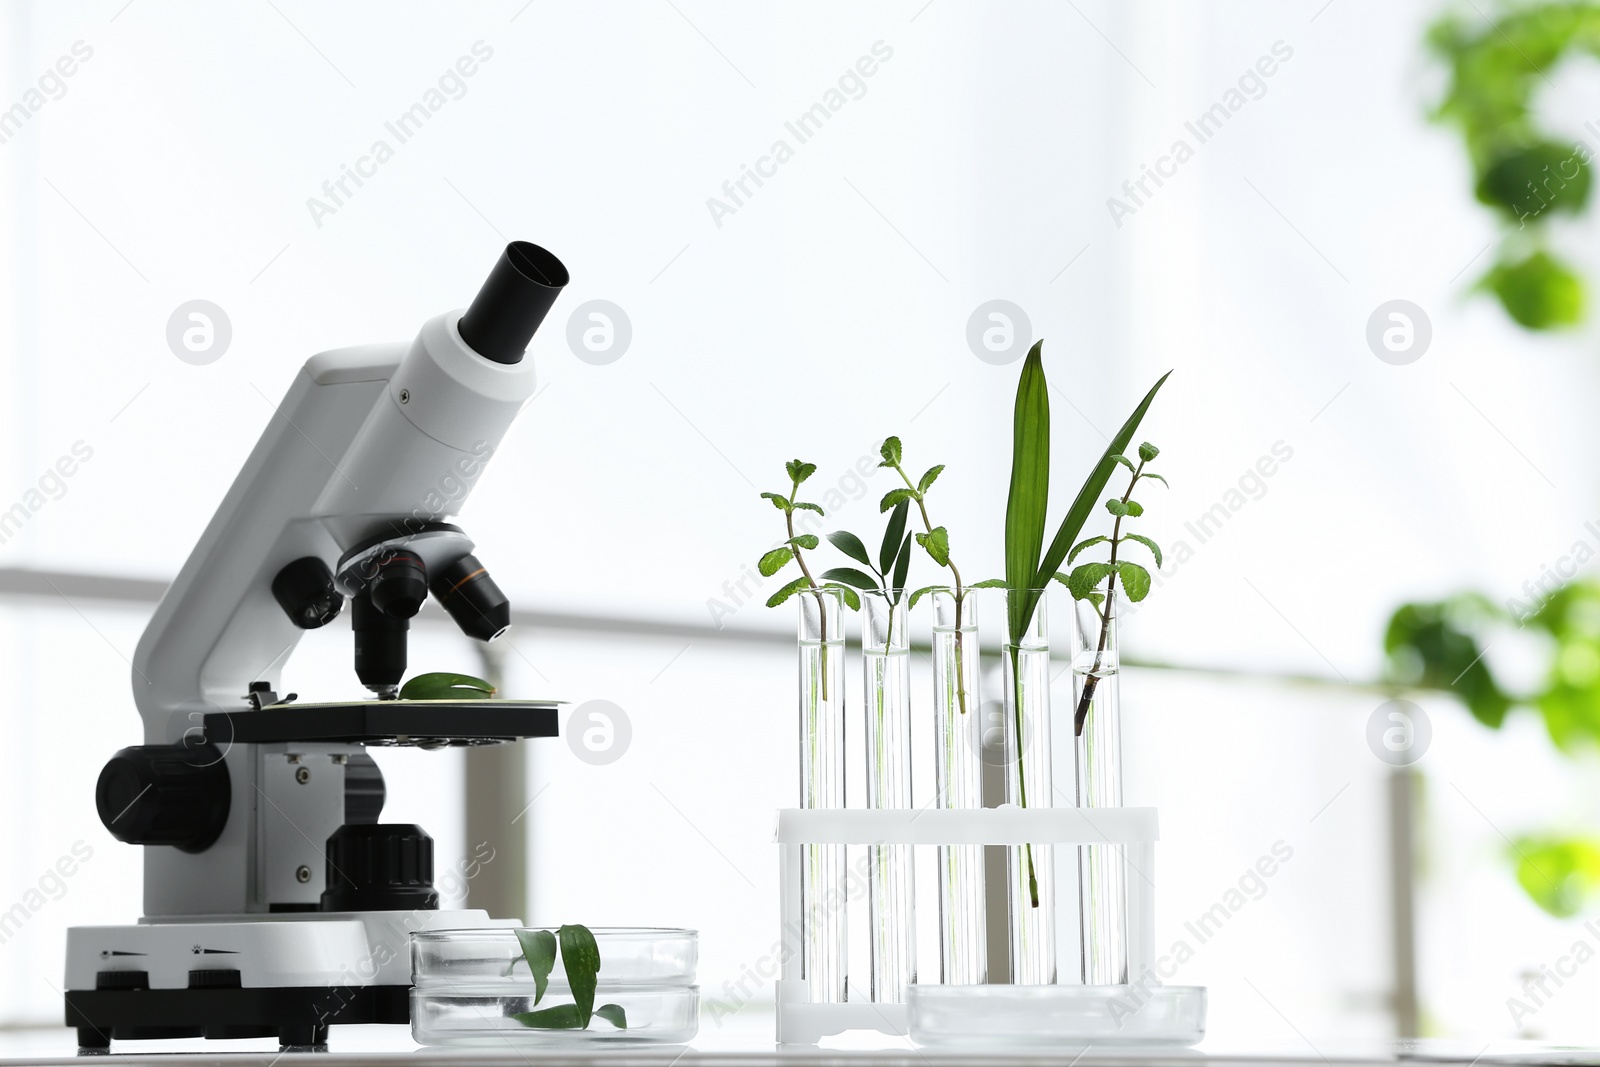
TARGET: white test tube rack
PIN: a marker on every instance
(801, 1022)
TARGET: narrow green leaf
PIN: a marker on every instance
(894, 497)
(850, 545)
(1155, 549)
(989, 583)
(442, 685)
(1087, 543)
(890, 451)
(773, 562)
(1135, 580)
(1148, 451)
(1084, 578)
(851, 576)
(928, 476)
(787, 591)
(560, 1017)
(1028, 500)
(893, 534)
(936, 542)
(800, 471)
(920, 593)
(1124, 460)
(613, 1014)
(539, 949)
(580, 958)
(1135, 509)
(803, 506)
(1116, 506)
(779, 501)
(1093, 486)
(850, 596)
(1157, 477)
(902, 567)
(805, 540)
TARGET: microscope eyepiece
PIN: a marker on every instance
(513, 302)
(472, 598)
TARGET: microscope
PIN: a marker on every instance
(276, 903)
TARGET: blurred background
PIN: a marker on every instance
(1366, 266)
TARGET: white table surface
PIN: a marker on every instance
(746, 1039)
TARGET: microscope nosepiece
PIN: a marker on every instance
(513, 302)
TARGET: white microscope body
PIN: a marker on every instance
(256, 923)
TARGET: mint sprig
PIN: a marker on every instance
(1084, 580)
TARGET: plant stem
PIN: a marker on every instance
(1082, 714)
(961, 593)
(1022, 782)
(822, 610)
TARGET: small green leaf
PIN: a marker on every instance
(1081, 545)
(928, 477)
(1124, 460)
(1157, 477)
(1063, 579)
(902, 567)
(799, 471)
(774, 561)
(560, 1017)
(851, 576)
(803, 506)
(1135, 580)
(442, 685)
(850, 596)
(539, 949)
(1084, 578)
(920, 593)
(1096, 599)
(788, 591)
(850, 545)
(613, 1014)
(1155, 549)
(580, 958)
(1116, 507)
(893, 534)
(989, 583)
(936, 542)
(1135, 509)
(890, 452)
(779, 501)
(805, 540)
(894, 497)
(1148, 451)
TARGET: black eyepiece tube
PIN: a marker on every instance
(513, 302)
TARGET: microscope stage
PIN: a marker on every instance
(427, 723)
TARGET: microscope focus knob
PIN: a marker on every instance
(304, 590)
(379, 867)
(400, 585)
(175, 795)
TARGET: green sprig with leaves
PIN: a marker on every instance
(888, 572)
(935, 541)
(794, 548)
(580, 959)
(1084, 581)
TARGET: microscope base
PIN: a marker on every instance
(284, 975)
(295, 1015)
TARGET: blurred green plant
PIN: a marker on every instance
(1526, 174)
(1442, 645)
